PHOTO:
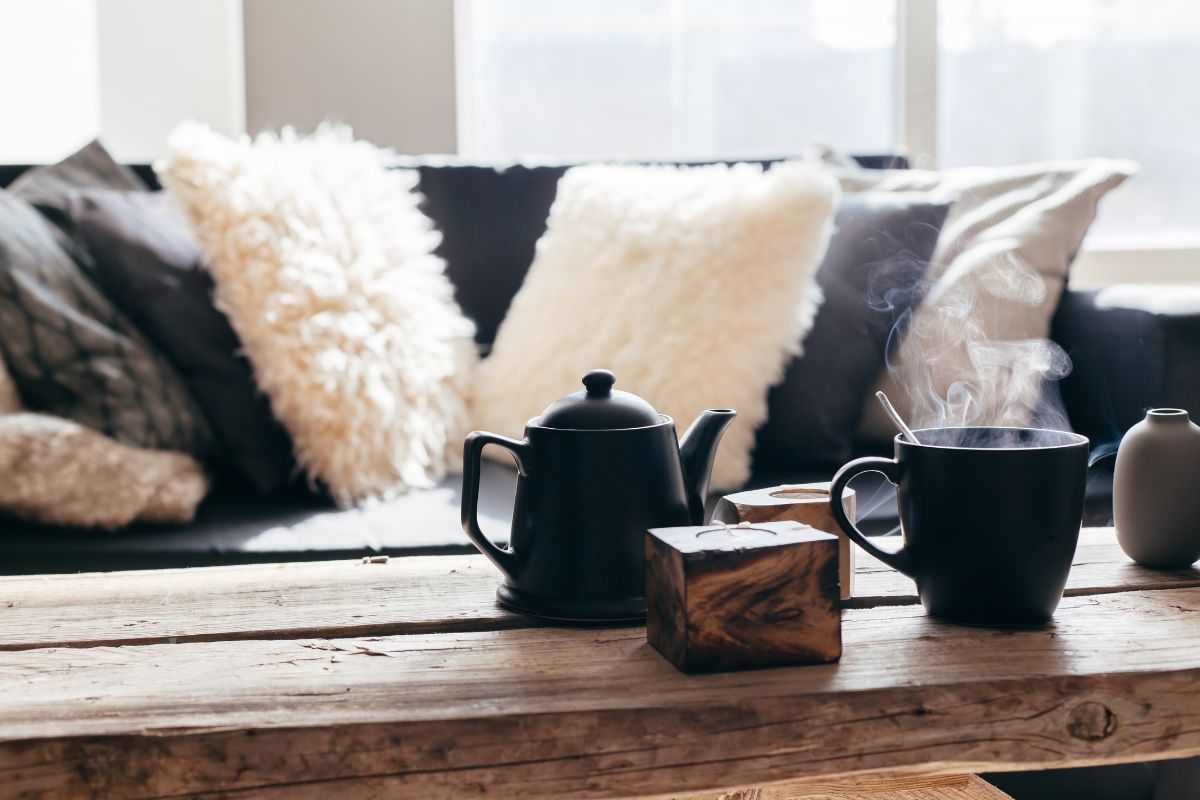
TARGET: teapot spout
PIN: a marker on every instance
(697, 450)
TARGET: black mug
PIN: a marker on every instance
(990, 518)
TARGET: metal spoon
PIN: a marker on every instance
(896, 418)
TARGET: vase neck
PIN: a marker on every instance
(1167, 416)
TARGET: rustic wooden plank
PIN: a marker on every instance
(923, 787)
(405, 595)
(542, 713)
(257, 601)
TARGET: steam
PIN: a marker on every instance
(954, 374)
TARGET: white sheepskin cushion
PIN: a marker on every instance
(693, 285)
(324, 265)
(57, 472)
(10, 401)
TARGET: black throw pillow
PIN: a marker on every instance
(148, 263)
(871, 277)
(72, 354)
(46, 188)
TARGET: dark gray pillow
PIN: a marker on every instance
(148, 263)
(871, 277)
(46, 188)
(73, 355)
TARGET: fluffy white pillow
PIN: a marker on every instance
(976, 349)
(692, 284)
(324, 265)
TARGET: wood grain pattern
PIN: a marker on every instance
(548, 713)
(743, 596)
(938, 787)
(348, 598)
(408, 595)
(404, 596)
(807, 503)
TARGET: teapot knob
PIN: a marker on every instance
(599, 382)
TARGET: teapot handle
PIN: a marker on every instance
(503, 558)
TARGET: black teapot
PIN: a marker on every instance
(595, 471)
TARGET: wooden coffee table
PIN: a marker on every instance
(342, 679)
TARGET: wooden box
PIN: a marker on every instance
(807, 503)
(752, 595)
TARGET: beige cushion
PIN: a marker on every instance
(324, 266)
(10, 401)
(976, 350)
(58, 472)
(692, 285)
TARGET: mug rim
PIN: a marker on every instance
(1077, 439)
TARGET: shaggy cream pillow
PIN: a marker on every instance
(692, 284)
(324, 266)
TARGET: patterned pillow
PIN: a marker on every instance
(48, 188)
(73, 355)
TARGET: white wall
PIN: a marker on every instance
(49, 89)
(384, 66)
(163, 61)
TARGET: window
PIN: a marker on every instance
(979, 81)
(125, 70)
(669, 78)
(1028, 80)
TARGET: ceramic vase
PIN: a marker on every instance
(1156, 490)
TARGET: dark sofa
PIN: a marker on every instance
(1133, 348)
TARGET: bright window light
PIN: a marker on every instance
(674, 79)
(1029, 80)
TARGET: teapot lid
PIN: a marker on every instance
(599, 407)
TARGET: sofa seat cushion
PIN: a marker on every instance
(241, 526)
(235, 527)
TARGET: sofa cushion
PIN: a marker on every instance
(491, 217)
(238, 525)
(693, 285)
(870, 277)
(976, 350)
(148, 263)
(324, 265)
(47, 189)
(72, 354)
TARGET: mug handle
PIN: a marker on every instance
(503, 558)
(892, 470)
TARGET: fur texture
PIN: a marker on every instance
(58, 472)
(692, 284)
(324, 266)
(10, 401)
